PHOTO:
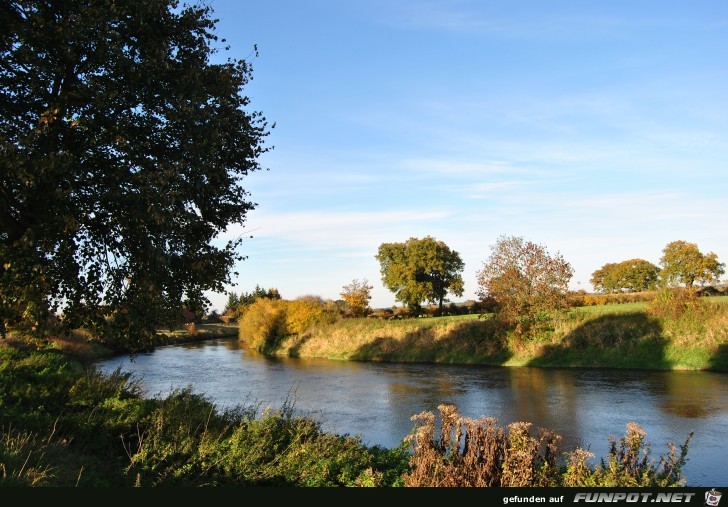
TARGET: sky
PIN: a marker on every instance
(597, 129)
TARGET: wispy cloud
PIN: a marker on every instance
(446, 167)
(334, 229)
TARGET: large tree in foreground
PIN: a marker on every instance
(684, 263)
(525, 281)
(421, 270)
(122, 150)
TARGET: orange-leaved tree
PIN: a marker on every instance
(357, 295)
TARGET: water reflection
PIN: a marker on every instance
(376, 400)
(693, 396)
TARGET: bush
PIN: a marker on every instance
(263, 324)
(266, 321)
(628, 464)
(307, 311)
(381, 313)
(676, 303)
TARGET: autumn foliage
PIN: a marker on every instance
(357, 295)
(480, 453)
(525, 281)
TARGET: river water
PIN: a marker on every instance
(377, 400)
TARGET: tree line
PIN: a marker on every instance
(682, 263)
(521, 284)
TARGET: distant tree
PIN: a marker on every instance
(421, 270)
(248, 298)
(525, 281)
(683, 263)
(233, 302)
(357, 295)
(603, 278)
(122, 152)
(633, 275)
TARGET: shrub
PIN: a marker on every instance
(307, 311)
(191, 329)
(381, 313)
(525, 281)
(263, 324)
(402, 312)
(676, 303)
(628, 464)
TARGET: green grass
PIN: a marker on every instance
(622, 308)
(613, 336)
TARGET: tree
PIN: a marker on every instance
(603, 278)
(420, 270)
(122, 152)
(233, 302)
(683, 263)
(248, 298)
(632, 275)
(524, 280)
(357, 295)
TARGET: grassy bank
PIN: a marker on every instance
(612, 336)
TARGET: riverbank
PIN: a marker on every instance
(64, 424)
(611, 336)
(86, 349)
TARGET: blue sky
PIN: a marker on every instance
(598, 129)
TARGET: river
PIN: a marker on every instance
(377, 400)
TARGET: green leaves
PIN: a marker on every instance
(634, 275)
(683, 263)
(122, 152)
(420, 270)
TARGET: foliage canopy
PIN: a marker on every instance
(684, 263)
(122, 152)
(632, 275)
(357, 295)
(421, 270)
(524, 280)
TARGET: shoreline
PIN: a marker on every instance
(583, 339)
(612, 338)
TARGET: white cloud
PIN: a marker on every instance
(321, 230)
